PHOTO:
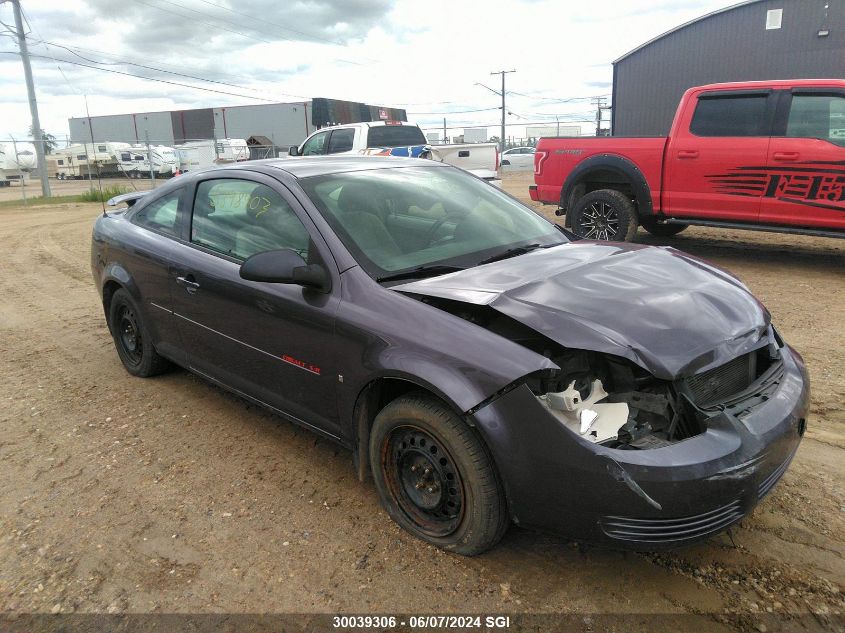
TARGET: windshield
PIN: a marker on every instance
(395, 136)
(403, 219)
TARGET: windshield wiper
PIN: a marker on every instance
(421, 272)
(512, 252)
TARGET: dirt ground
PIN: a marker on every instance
(166, 495)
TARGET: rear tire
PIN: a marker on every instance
(435, 478)
(605, 214)
(132, 338)
(663, 230)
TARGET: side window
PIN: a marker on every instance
(240, 218)
(125, 156)
(731, 116)
(817, 116)
(161, 215)
(341, 141)
(315, 145)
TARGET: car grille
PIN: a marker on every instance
(671, 530)
(719, 383)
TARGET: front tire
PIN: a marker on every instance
(132, 338)
(435, 478)
(605, 214)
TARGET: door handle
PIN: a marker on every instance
(785, 156)
(688, 153)
(189, 283)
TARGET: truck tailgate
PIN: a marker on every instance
(481, 159)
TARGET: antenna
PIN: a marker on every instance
(94, 149)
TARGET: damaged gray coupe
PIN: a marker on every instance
(481, 367)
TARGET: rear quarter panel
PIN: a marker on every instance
(557, 157)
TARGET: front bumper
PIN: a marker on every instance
(646, 499)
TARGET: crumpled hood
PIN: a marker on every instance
(669, 312)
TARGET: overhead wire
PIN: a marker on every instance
(165, 81)
(73, 49)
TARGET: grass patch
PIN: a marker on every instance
(92, 195)
(95, 195)
(31, 201)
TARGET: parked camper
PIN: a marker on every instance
(196, 155)
(16, 160)
(75, 161)
(134, 161)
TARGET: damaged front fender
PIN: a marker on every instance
(557, 481)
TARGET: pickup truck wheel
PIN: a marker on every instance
(435, 477)
(663, 230)
(605, 214)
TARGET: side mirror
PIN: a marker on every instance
(285, 267)
(293, 150)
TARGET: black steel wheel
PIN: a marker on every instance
(435, 477)
(605, 215)
(131, 337)
(423, 480)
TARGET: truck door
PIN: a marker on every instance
(715, 162)
(806, 162)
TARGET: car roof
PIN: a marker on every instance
(322, 165)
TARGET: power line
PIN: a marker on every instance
(119, 61)
(556, 99)
(164, 81)
(453, 112)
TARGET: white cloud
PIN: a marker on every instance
(427, 54)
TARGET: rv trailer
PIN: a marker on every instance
(16, 161)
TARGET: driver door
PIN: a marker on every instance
(271, 342)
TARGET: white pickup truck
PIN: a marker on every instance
(395, 138)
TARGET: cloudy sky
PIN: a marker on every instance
(425, 56)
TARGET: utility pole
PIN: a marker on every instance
(599, 102)
(502, 136)
(444, 130)
(33, 104)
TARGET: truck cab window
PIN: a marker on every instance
(315, 145)
(731, 116)
(341, 141)
(817, 116)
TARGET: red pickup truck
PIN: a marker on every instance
(767, 156)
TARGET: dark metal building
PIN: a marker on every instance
(751, 41)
